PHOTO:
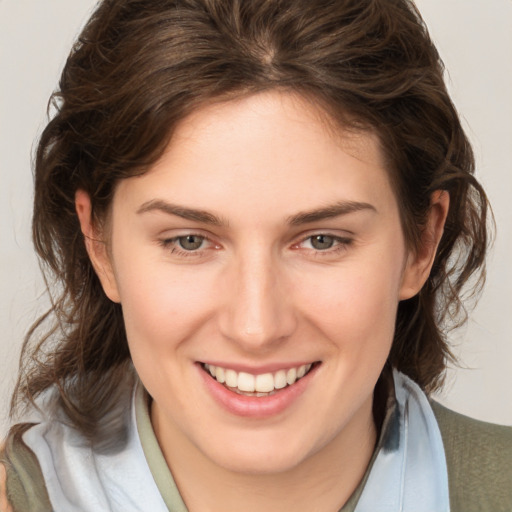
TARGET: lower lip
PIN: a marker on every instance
(252, 406)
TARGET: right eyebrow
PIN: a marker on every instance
(182, 211)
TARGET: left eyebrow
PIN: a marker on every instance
(328, 212)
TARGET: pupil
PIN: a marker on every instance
(190, 242)
(322, 242)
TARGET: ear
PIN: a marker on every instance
(419, 262)
(96, 248)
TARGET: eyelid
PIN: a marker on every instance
(171, 244)
(341, 243)
(345, 236)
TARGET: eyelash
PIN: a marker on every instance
(172, 245)
(340, 244)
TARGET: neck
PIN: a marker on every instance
(323, 481)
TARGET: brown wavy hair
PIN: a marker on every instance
(141, 66)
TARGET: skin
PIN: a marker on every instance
(257, 292)
(4, 502)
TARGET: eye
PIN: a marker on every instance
(190, 242)
(322, 242)
(190, 245)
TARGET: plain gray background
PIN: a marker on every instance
(474, 38)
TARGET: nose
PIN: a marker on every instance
(257, 310)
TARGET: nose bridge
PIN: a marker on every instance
(257, 312)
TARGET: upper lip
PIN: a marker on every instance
(259, 369)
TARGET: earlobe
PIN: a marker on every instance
(419, 263)
(96, 248)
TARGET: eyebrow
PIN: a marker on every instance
(329, 212)
(205, 217)
(183, 212)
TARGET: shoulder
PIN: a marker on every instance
(479, 460)
(22, 485)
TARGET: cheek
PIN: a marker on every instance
(355, 305)
(162, 306)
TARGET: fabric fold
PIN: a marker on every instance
(409, 473)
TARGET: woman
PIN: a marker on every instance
(252, 211)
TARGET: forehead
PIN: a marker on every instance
(277, 111)
(271, 150)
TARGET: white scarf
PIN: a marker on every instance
(408, 475)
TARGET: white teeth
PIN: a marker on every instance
(231, 378)
(280, 379)
(257, 385)
(245, 381)
(264, 383)
(291, 376)
(220, 375)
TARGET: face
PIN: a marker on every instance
(266, 250)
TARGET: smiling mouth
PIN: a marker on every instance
(266, 384)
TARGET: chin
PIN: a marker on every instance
(260, 464)
(259, 456)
